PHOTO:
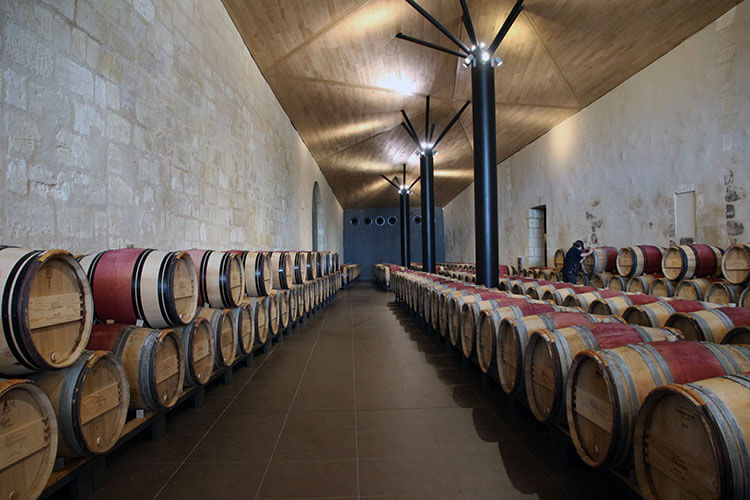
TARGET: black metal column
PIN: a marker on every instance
(485, 173)
(405, 250)
(426, 167)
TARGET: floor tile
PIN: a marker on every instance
(310, 478)
(429, 478)
(219, 480)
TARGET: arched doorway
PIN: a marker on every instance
(318, 230)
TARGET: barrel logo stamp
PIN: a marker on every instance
(677, 467)
(686, 417)
(593, 409)
(5, 413)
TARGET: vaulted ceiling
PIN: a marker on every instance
(343, 77)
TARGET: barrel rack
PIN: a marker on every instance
(561, 443)
(82, 476)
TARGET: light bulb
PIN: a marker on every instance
(485, 56)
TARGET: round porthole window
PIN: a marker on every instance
(368, 221)
(417, 219)
(353, 221)
(392, 220)
(379, 220)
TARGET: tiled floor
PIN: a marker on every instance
(359, 402)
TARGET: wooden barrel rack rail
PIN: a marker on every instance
(191, 356)
(536, 357)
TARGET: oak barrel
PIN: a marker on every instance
(618, 283)
(28, 440)
(584, 300)
(735, 265)
(694, 289)
(617, 305)
(601, 280)
(600, 260)
(153, 361)
(258, 277)
(558, 296)
(467, 328)
(662, 287)
(272, 313)
(536, 291)
(737, 335)
(691, 261)
(710, 325)
(198, 347)
(456, 304)
(282, 302)
(300, 267)
(261, 319)
(691, 441)
(91, 400)
(221, 277)
(656, 314)
(723, 292)
(161, 289)
(550, 353)
(583, 279)
(223, 335)
(559, 259)
(313, 265)
(606, 388)
(513, 337)
(744, 300)
(638, 260)
(642, 283)
(47, 310)
(244, 326)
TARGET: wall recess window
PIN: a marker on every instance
(368, 221)
(392, 220)
(684, 215)
(417, 219)
(353, 221)
(379, 220)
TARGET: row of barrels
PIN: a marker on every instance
(626, 391)
(81, 377)
(676, 263)
(351, 272)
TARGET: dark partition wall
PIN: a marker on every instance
(369, 244)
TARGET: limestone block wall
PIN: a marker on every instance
(458, 218)
(609, 174)
(146, 122)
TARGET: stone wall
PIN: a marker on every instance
(458, 218)
(609, 174)
(146, 122)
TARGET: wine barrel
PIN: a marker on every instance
(691, 261)
(198, 348)
(606, 388)
(153, 361)
(642, 283)
(467, 328)
(723, 293)
(744, 300)
(223, 335)
(299, 302)
(618, 283)
(244, 326)
(691, 441)
(536, 291)
(282, 269)
(300, 267)
(221, 276)
(444, 305)
(282, 302)
(656, 314)
(272, 313)
(617, 305)
(489, 325)
(258, 276)
(513, 337)
(457, 302)
(313, 265)
(91, 400)
(710, 325)
(662, 287)
(735, 266)
(550, 353)
(638, 260)
(600, 280)
(261, 319)
(29, 440)
(559, 259)
(584, 300)
(47, 310)
(694, 289)
(737, 335)
(583, 280)
(558, 296)
(600, 260)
